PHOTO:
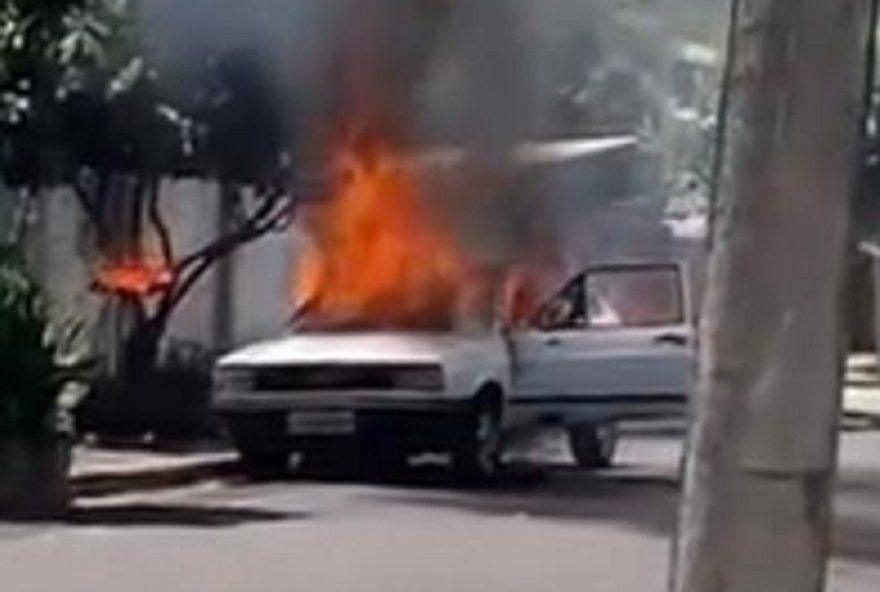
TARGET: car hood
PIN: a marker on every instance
(354, 348)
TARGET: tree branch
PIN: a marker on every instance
(87, 202)
(273, 209)
(93, 205)
(154, 213)
(176, 295)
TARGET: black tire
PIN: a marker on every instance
(477, 459)
(593, 445)
(261, 442)
(264, 462)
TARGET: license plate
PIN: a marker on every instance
(320, 423)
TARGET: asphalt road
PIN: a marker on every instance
(558, 530)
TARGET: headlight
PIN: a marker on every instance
(419, 378)
(233, 379)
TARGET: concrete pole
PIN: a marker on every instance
(762, 451)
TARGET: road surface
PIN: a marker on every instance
(559, 531)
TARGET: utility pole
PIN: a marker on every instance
(761, 458)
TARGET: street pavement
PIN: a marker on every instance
(188, 521)
(555, 529)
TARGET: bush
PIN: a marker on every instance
(33, 363)
(172, 403)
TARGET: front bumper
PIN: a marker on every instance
(355, 400)
(411, 419)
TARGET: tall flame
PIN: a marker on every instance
(381, 255)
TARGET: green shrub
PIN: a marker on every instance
(33, 350)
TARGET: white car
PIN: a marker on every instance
(615, 343)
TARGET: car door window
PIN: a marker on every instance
(567, 310)
(634, 297)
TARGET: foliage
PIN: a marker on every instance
(42, 44)
(698, 152)
(85, 103)
(35, 355)
(80, 91)
(173, 404)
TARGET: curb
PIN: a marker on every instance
(111, 482)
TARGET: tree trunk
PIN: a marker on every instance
(224, 275)
(141, 352)
(762, 448)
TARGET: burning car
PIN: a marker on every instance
(404, 343)
(594, 355)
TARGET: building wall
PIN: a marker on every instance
(59, 252)
(262, 288)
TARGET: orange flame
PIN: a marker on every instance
(381, 256)
(132, 276)
(522, 297)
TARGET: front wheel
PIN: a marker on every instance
(593, 446)
(333, 457)
(477, 459)
(261, 442)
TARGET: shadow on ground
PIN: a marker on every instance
(643, 502)
(630, 497)
(143, 514)
(624, 495)
(642, 497)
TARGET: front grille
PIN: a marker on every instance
(341, 377)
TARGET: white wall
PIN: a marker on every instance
(260, 270)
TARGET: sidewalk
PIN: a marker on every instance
(861, 395)
(101, 471)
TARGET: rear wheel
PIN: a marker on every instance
(593, 445)
(477, 459)
(261, 441)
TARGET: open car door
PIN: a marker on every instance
(615, 342)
